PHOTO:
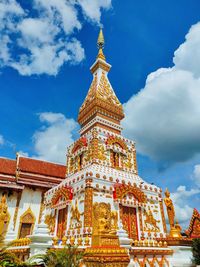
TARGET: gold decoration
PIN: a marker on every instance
(128, 217)
(122, 190)
(55, 240)
(115, 140)
(175, 229)
(170, 208)
(4, 216)
(64, 241)
(27, 218)
(50, 220)
(75, 221)
(102, 218)
(88, 207)
(64, 193)
(72, 240)
(150, 221)
(194, 227)
(100, 97)
(163, 216)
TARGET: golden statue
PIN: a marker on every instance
(170, 208)
(175, 228)
(3, 214)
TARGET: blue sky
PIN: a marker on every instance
(46, 50)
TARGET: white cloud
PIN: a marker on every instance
(56, 133)
(2, 141)
(92, 9)
(163, 118)
(196, 175)
(46, 40)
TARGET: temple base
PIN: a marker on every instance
(109, 257)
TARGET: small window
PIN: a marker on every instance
(25, 230)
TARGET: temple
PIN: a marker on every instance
(102, 206)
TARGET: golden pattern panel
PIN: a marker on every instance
(104, 221)
(150, 222)
(4, 216)
(112, 140)
(121, 190)
(75, 220)
(88, 207)
(105, 92)
(50, 220)
(27, 221)
(65, 193)
(91, 93)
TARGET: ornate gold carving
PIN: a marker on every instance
(88, 207)
(102, 218)
(111, 140)
(150, 221)
(108, 257)
(121, 190)
(194, 227)
(75, 221)
(27, 217)
(4, 216)
(64, 193)
(50, 220)
(140, 219)
(163, 216)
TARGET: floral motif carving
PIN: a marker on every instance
(75, 221)
(65, 193)
(4, 215)
(194, 227)
(104, 221)
(50, 220)
(150, 221)
(121, 190)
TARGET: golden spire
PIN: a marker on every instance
(100, 44)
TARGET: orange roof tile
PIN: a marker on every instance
(7, 166)
(41, 167)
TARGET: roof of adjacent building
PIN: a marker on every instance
(30, 172)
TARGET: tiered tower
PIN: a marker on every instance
(102, 185)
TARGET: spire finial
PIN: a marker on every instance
(100, 44)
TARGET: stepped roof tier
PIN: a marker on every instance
(101, 106)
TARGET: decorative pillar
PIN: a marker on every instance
(88, 206)
(163, 216)
(94, 144)
(19, 195)
(140, 219)
(41, 207)
(135, 159)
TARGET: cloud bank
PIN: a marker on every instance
(55, 134)
(39, 40)
(164, 117)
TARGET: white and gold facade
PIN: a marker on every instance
(102, 186)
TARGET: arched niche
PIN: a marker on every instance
(27, 221)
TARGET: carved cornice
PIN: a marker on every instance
(121, 190)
